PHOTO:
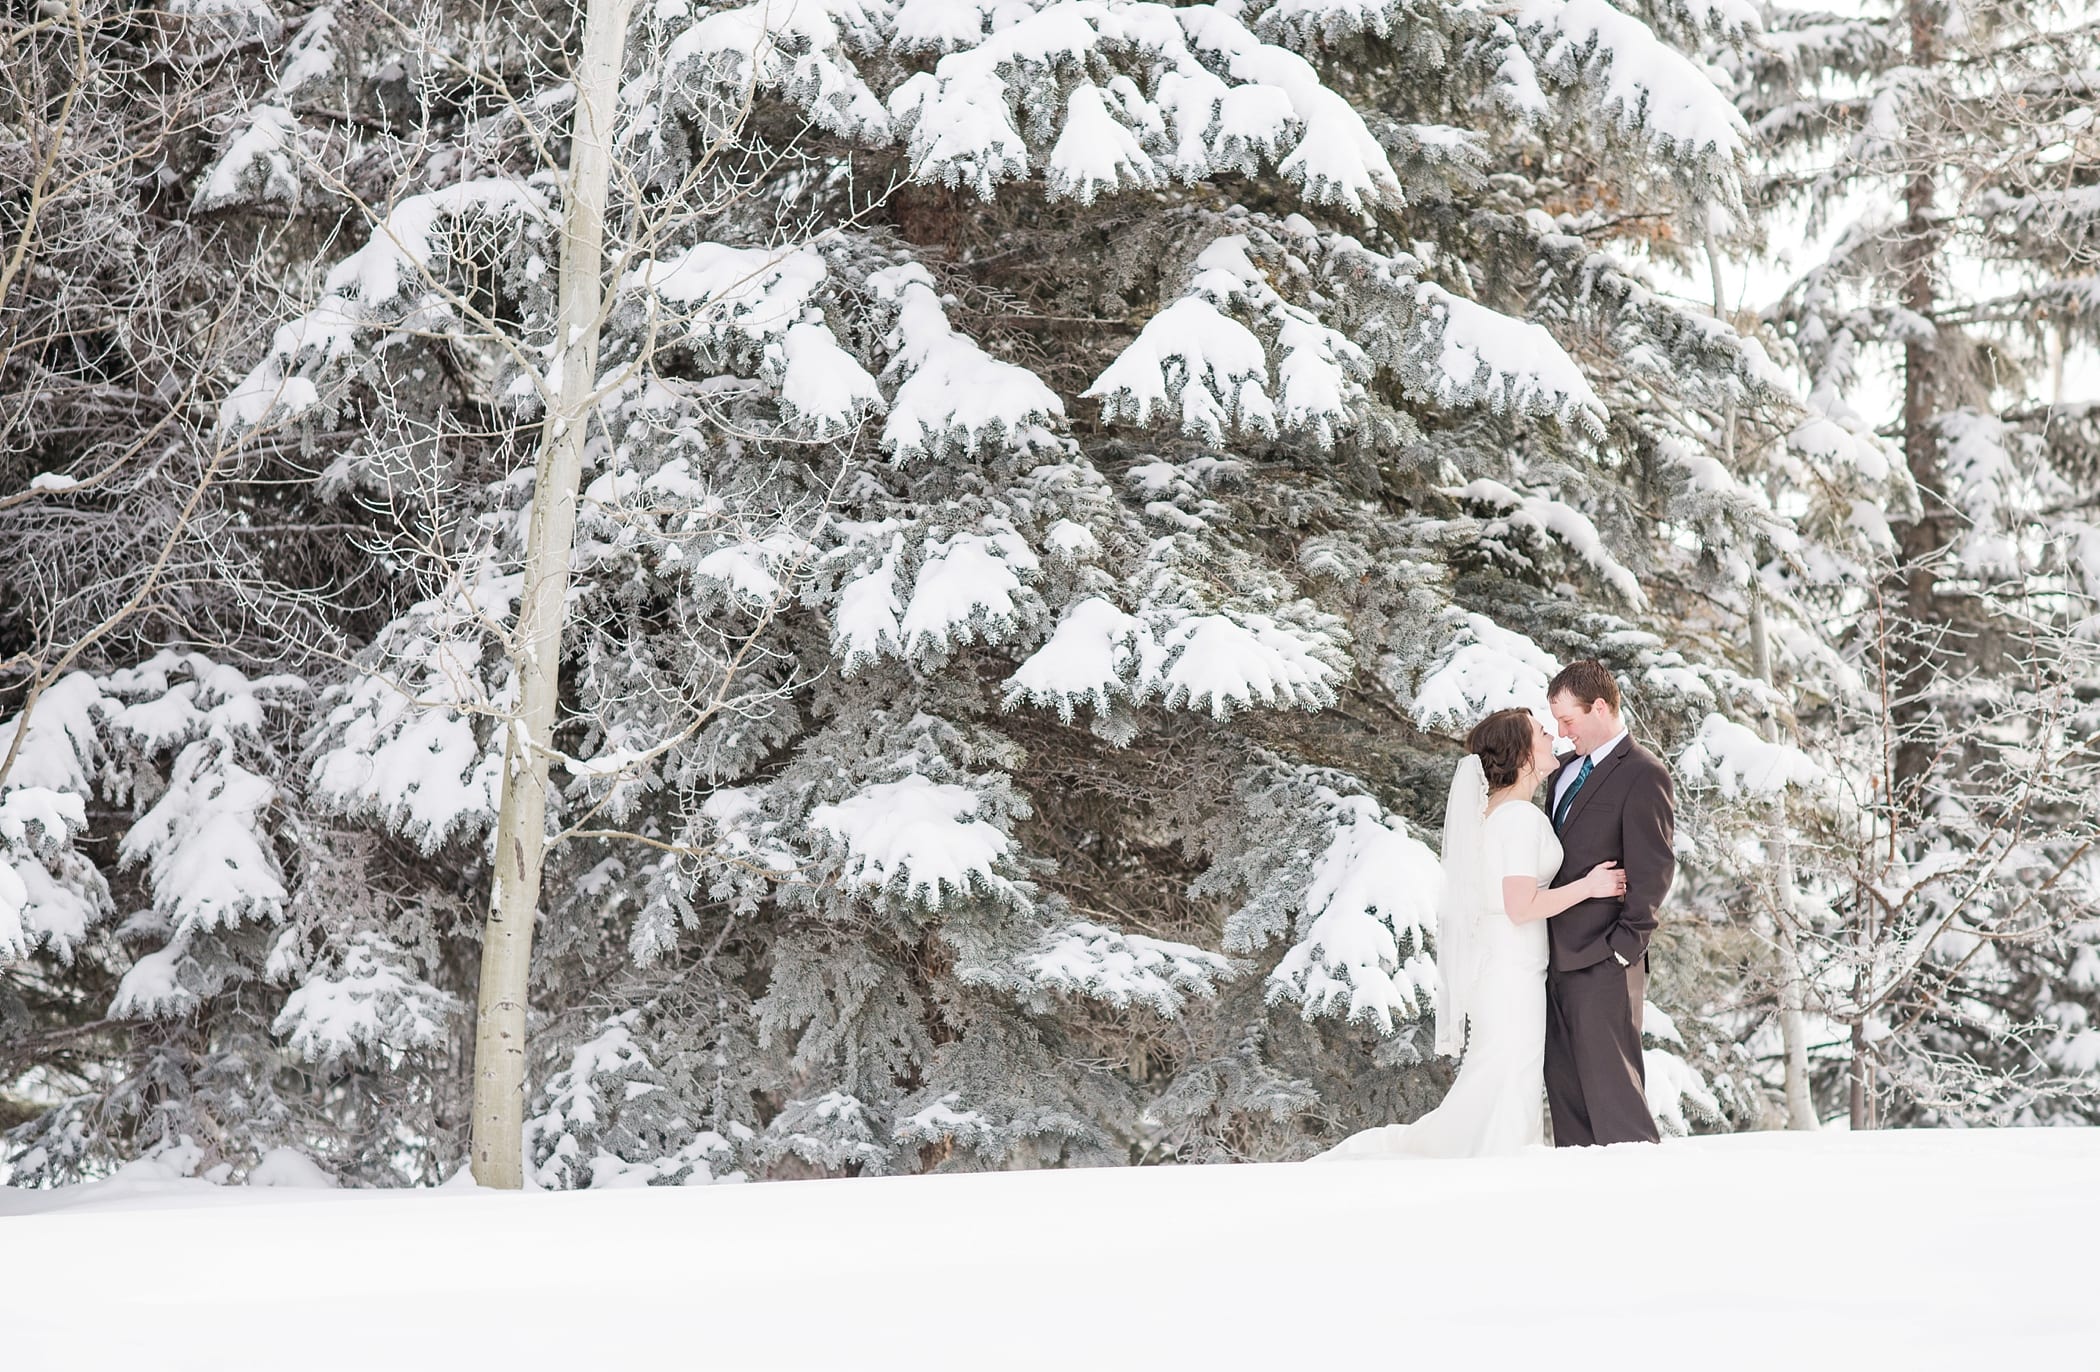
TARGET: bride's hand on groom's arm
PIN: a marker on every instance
(1524, 900)
(1605, 881)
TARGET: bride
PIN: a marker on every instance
(1499, 855)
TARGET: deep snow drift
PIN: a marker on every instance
(1916, 1249)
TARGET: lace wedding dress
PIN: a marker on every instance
(1494, 982)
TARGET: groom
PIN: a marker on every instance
(1610, 802)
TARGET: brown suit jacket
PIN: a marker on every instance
(1623, 814)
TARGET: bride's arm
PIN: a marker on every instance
(1525, 901)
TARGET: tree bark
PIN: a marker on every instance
(521, 826)
(1793, 1032)
(1860, 1103)
(1921, 541)
(1779, 848)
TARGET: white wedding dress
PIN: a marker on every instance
(1495, 982)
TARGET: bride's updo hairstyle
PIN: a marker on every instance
(1503, 741)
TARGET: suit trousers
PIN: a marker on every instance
(1596, 1084)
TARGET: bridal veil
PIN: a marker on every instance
(1458, 936)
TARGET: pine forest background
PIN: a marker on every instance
(1059, 479)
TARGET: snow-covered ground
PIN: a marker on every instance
(1910, 1250)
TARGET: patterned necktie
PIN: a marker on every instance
(1560, 811)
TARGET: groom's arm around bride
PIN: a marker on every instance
(1610, 802)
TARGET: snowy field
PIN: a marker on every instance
(1955, 1250)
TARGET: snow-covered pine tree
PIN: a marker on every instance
(1065, 474)
(184, 748)
(279, 979)
(146, 784)
(1131, 575)
(354, 1023)
(1946, 151)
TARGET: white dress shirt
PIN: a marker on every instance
(1567, 776)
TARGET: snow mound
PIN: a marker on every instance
(289, 1167)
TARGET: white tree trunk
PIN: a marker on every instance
(521, 826)
(1793, 1029)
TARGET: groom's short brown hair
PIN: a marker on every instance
(1586, 682)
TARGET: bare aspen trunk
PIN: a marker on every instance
(1917, 656)
(1793, 1001)
(1793, 1031)
(521, 826)
(1920, 541)
(1860, 1068)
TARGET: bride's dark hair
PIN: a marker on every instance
(1503, 741)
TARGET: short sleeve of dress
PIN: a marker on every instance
(1512, 843)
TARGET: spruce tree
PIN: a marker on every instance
(1065, 476)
